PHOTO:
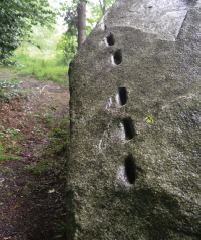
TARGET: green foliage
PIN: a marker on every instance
(68, 42)
(16, 20)
(62, 229)
(96, 12)
(8, 151)
(40, 168)
(50, 69)
(10, 89)
(45, 63)
(149, 119)
(29, 183)
(59, 138)
(70, 16)
(4, 156)
(8, 84)
(68, 45)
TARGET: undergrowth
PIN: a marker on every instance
(5, 157)
(42, 67)
(8, 140)
(10, 89)
(44, 63)
(41, 57)
(54, 155)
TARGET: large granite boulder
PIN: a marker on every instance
(132, 169)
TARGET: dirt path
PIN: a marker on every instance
(32, 189)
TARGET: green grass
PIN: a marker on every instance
(7, 85)
(7, 150)
(59, 138)
(9, 157)
(4, 157)
(10, 89)
(40, 168)
(50, 68)
(46, 63)
(30, 183)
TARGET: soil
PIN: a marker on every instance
(32, 206)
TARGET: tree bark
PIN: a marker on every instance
(81, 10)
(103, 6)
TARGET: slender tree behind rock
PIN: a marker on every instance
(81, 10)
(104, 4)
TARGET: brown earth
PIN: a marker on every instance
(32, 189)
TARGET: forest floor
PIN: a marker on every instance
(34, 136)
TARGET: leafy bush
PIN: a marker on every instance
(9, 90)
(16, 20)
(68, 45)
(5, 84)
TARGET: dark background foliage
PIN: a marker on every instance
(16, 19)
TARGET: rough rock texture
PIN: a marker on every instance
(129, 177)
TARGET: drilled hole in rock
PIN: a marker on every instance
(110, 39)
(118, 57)
(128, 127)
(130, 169)
(122, 95)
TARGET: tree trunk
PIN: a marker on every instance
(104, 4)
(81, 10)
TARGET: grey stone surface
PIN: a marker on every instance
(129, 178)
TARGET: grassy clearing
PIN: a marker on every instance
(43, 65)
(45, 62)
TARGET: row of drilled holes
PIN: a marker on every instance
(130, 168)
(117, 55)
